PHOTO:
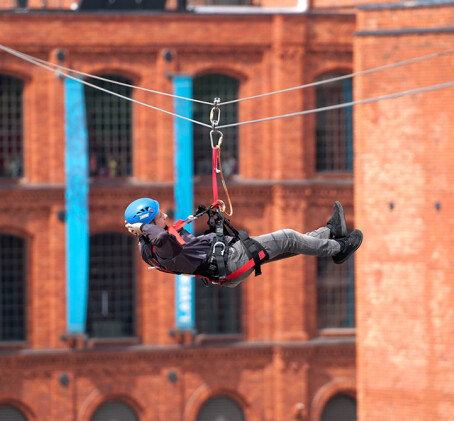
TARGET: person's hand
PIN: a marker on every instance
(134, 229)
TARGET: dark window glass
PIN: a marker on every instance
(220, 408)
(334, 128)
(111, 296)
(11, 127)
(12, 288)
(335, 293)
(114, 411)
(206, 88)
(109, 125)
(218, 310)
(340, 408)
(10, 413)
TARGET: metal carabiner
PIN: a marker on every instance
(215, 112)
(220, 244)
(219, 141)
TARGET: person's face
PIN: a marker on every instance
(160, 219)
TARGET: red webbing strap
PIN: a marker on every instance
(240, 271)
(214, 175)
(246, 267)
(172, 230)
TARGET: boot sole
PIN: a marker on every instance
(347, 256)
(343, 229)
(342, 216)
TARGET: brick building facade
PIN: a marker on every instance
(282, 361)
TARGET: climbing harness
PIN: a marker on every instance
(214, 269)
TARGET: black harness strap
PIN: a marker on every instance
(214, 269)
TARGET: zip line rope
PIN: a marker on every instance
(342, 77)
(347, 104)
(47, 65)
(38, 63)
(67, 69)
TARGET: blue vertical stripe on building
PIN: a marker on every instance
(76, 202)
(183, 192)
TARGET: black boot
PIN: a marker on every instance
(337, 224)
(348, 245)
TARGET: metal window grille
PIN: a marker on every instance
(12, 287)
(11, 127)
(207, 88)
(334, 128)
(109, 125)
(340, 408)
(218, 310)
(10, 413)
(111, 295)
(335, 294)
(220, 408)
(114, 411)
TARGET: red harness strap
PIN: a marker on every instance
(243, 269)
(173, 230)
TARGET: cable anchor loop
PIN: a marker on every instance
(215, 114)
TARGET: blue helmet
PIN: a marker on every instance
(142, 210)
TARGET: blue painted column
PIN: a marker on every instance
(183, 192)
(76, 201)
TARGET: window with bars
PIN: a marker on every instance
(10, 413)
(11, 127)
(335, 294)
(114, 411)
(111, 294)
(220, 408)
(109, 126)
(12, 287)
(218, 310)
(340, 408)
(206, 88)
(334, 128)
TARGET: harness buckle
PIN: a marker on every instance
(219, 243)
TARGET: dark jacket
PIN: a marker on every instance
(170, 253)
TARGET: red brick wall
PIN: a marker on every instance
(281, 361)
(404, 154)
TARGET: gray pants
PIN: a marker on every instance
(282, 244)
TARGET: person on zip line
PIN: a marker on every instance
(225, 256)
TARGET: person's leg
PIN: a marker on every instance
(286, 243)
(290, 242)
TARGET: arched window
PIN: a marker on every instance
(10, 413)
(109, 125)
(334, 128)
(218, 310)
(12, 287)
(11, 127)
(335, 293)
(114, 411)
(340, 408)
(111, 294)
(220, 408)
(206, 88)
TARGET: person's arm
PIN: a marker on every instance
(166, 245)
(186, 235)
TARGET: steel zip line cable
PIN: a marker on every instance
(67, 69)
(37, 63)
(47, 65)
(351, 75)
(347, 104)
